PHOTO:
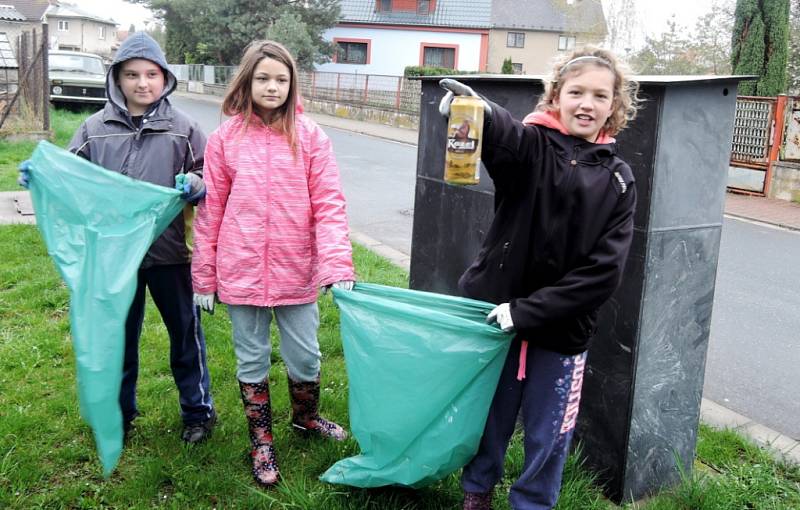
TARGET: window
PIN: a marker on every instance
(63, 26)
(439, 57)
(385, 5)
(423, 7)
(351, 52)
(566, 42)
(515, 40)
(517, 68)
(101, 32)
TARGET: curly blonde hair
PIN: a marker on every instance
(626, 90)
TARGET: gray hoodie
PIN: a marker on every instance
(166, 143)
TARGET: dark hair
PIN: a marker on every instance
(239, 97)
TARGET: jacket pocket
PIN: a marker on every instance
(588, 324)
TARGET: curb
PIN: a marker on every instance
(394, 256)
(784, 226)
(781, 447)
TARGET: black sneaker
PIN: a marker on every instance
(198, 432)
(128, 426)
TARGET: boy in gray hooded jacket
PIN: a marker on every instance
(140, 134)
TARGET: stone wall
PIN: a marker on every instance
(785, 183)
(368, 114)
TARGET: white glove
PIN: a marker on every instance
(341, 285)
(344, 285)
(502, 316)
(454, 87)
(204, 301)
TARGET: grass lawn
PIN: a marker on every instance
(47, 457)
(63, 122)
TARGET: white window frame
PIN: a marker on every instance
(517, 68)
(63, 25)
(101, 33)
(517, 37)
(566, 42)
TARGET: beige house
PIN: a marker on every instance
(532, 32)
(69, 27)
(17, 16)
(72, 28)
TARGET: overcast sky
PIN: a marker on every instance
(653, 13)
(120, 11)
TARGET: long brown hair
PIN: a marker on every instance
(239, 97)
(626, 90)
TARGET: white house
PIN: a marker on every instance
(385, 36)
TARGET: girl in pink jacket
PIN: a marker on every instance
(271, 230)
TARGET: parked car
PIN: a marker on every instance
(76, 77)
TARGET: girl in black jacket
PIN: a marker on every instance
(555, 252)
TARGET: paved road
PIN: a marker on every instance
(754, 355)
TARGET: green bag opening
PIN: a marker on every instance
(97, 226)
(422, 370)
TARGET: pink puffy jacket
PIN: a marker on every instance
(272, 227)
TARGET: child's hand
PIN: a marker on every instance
(341, 285)
(204, 301)
(24, 178)
(502, 316)
(455, 87)
(191, 186)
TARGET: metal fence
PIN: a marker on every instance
(752, 131)
(395, 93)
(392, 93)
(24, 88)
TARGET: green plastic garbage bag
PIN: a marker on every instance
(97, 226)
(422, 369)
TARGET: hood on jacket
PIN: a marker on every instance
(138, 45)
(552, 121)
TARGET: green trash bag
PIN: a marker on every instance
(97, 226)
(422, 369)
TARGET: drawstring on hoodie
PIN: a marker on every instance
(523, 355)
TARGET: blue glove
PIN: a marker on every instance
(191, 186)
(24, 178)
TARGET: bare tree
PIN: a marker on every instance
(624, 26)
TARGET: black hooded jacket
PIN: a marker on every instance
(562, 229)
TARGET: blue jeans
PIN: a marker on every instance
(297, 325)
(171, 290)
(547, 399)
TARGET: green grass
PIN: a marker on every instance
(47, 456)
(63, 122)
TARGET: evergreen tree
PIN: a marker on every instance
(760, 45)
(217, 31)
(508, 66)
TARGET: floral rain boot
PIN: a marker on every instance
(255, 398)
(305, 411)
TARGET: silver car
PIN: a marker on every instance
(76, 78)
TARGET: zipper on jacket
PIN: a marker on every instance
(267, 218)
(506, 246)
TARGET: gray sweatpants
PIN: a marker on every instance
(297, 325)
